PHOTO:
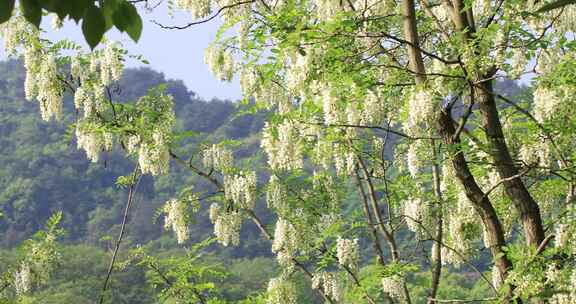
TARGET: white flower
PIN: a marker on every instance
(220, 62)
(217, 157)
(153, 156)
(413, 161)
(111, 66)
(348, 253)
(22, 279)
(89, 140)
(241, 189)
(276, 194)
(197, 8)
(175, 219)
(394, 286)
(214, 212)
(285, 243)
(421, 109)
(281, 291)
(282, 144)
(328, 283)
(545, 103)
(227, 228)
(49, 89)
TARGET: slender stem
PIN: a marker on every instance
(131, 190)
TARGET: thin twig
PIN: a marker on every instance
(182, 27)
(132, 189)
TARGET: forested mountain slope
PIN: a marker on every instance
(42, 171)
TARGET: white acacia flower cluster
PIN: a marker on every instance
(49, 89)
(281, 291)
(175, 212)
(241, 189)
(217, 157)
(418, 216)
(248, 80)
(546, 103)
(282, 144)
(323, 153)
(154, 147)
(394, 286)
(272, 95)
(17, 32)
(567, 20)
(111, 66)
(285, 243)
(421, 107)
(327, 9)
(536, 153)
(373, 111)
(348, 253)
(329, 101)
(569, 286)
(23, 279)
(227, 224)
(198, 9)
(329, 284)
(92, 141)
(518, 63)
(413, 161)
(220, 62)
(344, 159)
(297, 72)
(153, 155)
(460, 221)
(547, 59)
(276, 194)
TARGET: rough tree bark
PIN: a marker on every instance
(445, 126)
(497, 147)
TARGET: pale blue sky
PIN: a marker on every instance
(179, 54)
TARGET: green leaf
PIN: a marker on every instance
(108, 9)
(6, 8)
(554, 5)
(77, 9)
(93, 26)
(127, 19)
(55, 6)
(32, 11)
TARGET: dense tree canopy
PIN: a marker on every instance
(389, 152)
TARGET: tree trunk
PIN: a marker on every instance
(515, 188)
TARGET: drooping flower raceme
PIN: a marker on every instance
(227, 225)
(282, 146)
(281, 291)
(23, 279)
(220, 62)
(394, 286)
(175, 219)
(217, 157)
(285, 243)
(348, 253)
(422, 107)
(49, 89)
(241, 189)
(91, 140)
(546, 102)
(276, 194)
(198, 9)
(110, 65)
(328, 283)
(154, 156)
